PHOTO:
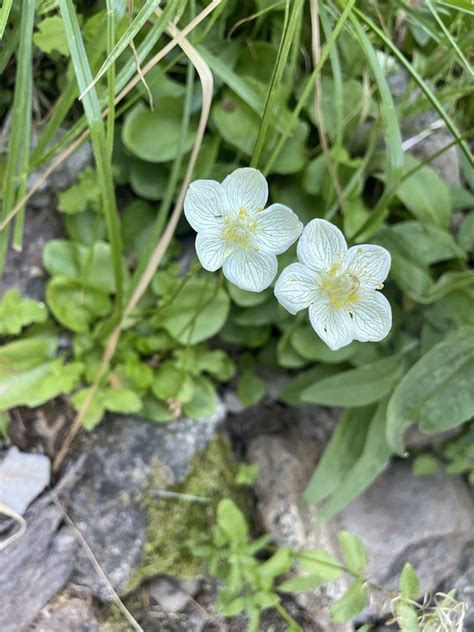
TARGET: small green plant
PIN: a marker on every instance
(457, 454)
(254, 577)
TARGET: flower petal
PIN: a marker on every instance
(333, 326)
(371, 316)
(246, 189)
(205, 204)
(370, 264)
(321, 245)
(277, 228)
(250, 270)
(211, 249)
(295, 288)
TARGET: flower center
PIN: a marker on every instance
(239, 230)
(341, 288)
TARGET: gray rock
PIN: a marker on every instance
(425, 133)
(22, 478)
(108, 502)
(35, 567)
(286, 462)
(70, 610)
(62, 177)
(24, 270)
(417, 440)
(427, 521)
(172, 594)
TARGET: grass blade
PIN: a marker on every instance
(110, 76)
(293, 119)
(99, 142)
(450, 124)
(449, 37)
(207, 83)
(65, 103)
(135, 27)
(9, 47)
(393, 136)
(292, 16)
(20, 126)
(69, 150)
(122, 79)
(4, 15)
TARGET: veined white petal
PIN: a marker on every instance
(295, 288)
(246, 189)
(369, 263)
(333, 326)
(211, 248)
(321, 245)
(249, 269)
(371, 316)
(277, 228)
(205, 204)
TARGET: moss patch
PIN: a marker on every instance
(171, 521)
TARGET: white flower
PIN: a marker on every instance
(234, 230)
(338, 285)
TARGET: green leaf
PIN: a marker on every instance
(353, 551)
(29, 374)
(217, 363)
(242, 298)
(81, 196)
(433, 244)
(75, 305)
(121, 400)
(267, 313)
(373, 459)
(424, 465)
(310, 347)
(320, 562)
(409, 583)
(231, 521)
(252, 337)
(117, 400)
(147, 180)
(155, 135)
(350, 604)
(431, 392)
(51, 36)
(235, 607)
(137, 221)
(278, 564)
(247, 474)
(466, 233)
(238, 125)
(92, 265)
(406, 616)
(357, 387)
(204, 400)
(155, 410)
(290, 394)
(408, 271)
(301, 584)
(17, 312)
(425, 195)
(171, 382)
(251, 388)
(197, 313)
(342, 452)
